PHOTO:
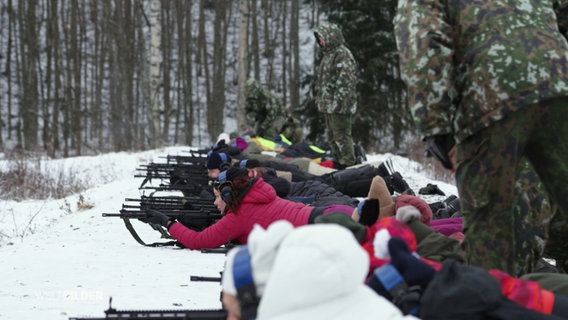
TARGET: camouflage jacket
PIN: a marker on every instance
(336, 83)
(264, 111)
(470, 63)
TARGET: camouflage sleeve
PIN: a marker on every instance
(347, 80)
(342, 83)
(425, 46)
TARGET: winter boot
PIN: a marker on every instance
(395, 182)
(431, 189)
(382, 170)
(449, 208)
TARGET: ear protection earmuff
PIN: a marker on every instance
(225, 187)
(225, 163)
(244, 283)
(226, 190)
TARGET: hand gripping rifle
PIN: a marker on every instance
(196, 214)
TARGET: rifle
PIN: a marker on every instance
(205, 279)
(111, 313)
(171, 203)
(185, 189)
(195, 219)
(191, 160)
(175, 214)
(175, 173)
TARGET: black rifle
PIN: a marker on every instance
(196, 219)
(222, 250)
(175, 214)
(171, 203)
(190, 160)
(206, 279)
(173, 173)
(112, 313)
(187, 190)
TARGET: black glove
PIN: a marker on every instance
(439, 146)
(369, 212)
(156, 217)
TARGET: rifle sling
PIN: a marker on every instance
(139, 240)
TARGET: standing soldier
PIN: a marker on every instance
(266, 114)
(491, 76)
(336, 92)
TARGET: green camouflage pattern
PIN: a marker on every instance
(340, 139)
(337, 73)
(468, 64)
(531, 216)
(267, 115)
(511, 180)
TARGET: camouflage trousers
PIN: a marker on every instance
(339, 137)
(501, 194)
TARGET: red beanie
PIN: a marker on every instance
(395, 228)
(418, 203)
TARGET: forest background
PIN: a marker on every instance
(88, 77)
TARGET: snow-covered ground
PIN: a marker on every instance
(59, 260)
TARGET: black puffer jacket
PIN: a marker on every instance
(320, 190)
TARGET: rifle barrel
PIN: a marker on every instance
(207, 279)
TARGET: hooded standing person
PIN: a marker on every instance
(491, 78)
(336, 92)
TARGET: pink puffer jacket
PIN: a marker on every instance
(259, 206)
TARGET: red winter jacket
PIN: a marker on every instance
(259, 206)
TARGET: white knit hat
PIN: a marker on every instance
(263, 247)
(224, 136)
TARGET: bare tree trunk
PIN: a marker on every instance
(8, 72)
(52, 42)
(243, 61)
(203, 63)
(167, 51)
(121, 83)
(154, 65)
(185, 69)
(215, 111)
(29, 55)
(295, 55)
(268, 51)
(74, 86)
(255, 46)
(285, 52)
(141, 109)
(101, 53)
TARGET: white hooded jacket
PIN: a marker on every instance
(319, 273)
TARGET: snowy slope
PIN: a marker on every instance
(59, 261)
